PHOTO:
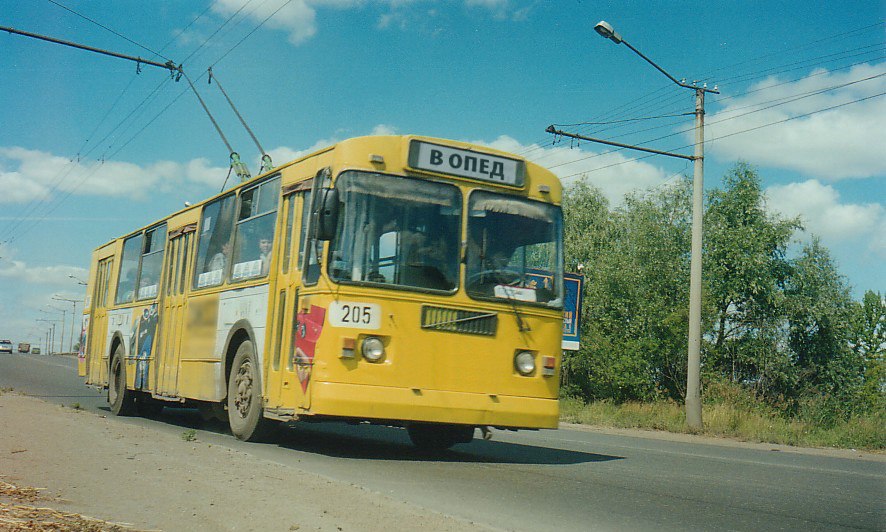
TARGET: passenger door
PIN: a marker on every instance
(280, 381)
(98, 323)
(174, 301)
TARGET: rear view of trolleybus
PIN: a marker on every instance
(407, 281)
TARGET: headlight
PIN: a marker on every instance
(373, 349)
(525, 362)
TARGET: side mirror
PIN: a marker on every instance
(326, 213)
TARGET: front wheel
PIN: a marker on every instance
(244, 397)
(122, 401)
(438, 437)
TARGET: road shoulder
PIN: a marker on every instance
(124, 473)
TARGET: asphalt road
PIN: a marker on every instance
(545, 480)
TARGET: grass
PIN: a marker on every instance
(743, 422)
(189, 435)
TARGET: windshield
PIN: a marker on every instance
(396, 231)
(514, 249)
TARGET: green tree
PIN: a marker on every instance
(869, 342)
(634, 316)
(821, 320)
(746, 268)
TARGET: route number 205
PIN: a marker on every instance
(355, 315)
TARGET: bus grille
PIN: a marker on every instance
(459, 321)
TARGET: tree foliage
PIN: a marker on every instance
(786, 329)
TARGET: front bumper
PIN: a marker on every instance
(408, 404)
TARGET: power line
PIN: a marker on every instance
(804, 115)
(660, 104)
(118, 34)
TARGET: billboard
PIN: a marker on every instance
(573, 284)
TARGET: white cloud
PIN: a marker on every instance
(622, 175)
(28, 175)
(53, 275)
(299, 17)
(500, 9)
(612, 172)
(384, 129)
(847, 142)
(823, 214)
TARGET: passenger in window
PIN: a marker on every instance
(427, 264)
(220, 259)
(264, 248)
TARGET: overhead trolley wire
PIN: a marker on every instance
(661, 105)
(118, 34)
(807, 63)
(54, 205)
(769, 124)
(841, 35)
(262, 23)
(179, 33)
(793, 99)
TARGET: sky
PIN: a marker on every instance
(93, 147)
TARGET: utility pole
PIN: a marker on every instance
(693, 358)
(50, 334)
(62, 339)
(73, 315)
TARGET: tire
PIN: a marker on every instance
(438, 437)
(121, 400)
(245, 411)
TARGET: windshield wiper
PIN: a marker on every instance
(521, 324)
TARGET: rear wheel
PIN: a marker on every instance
(438, 437)
(121, 400)
(244, 397)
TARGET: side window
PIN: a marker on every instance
(128, 269)
(100, 291)
(172, 260)
(152, 262)
(312, 271)
(254, 233)
(184, 255)
(215, 243)
(106, 282)
(289, 206)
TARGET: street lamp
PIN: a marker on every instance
(693, 363)
(79, 281)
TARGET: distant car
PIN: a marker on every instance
(35, 350)
(24, 347)
(5, 346)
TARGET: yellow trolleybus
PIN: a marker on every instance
(398, 280)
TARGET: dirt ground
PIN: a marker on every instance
(66, 469)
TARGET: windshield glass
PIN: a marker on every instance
(396, 231)
(514, 249)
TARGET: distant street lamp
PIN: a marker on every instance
(693, 363)
(79, 281)
(61, 343)
(73, 315)
(50, 335)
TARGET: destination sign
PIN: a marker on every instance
(466, 163)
